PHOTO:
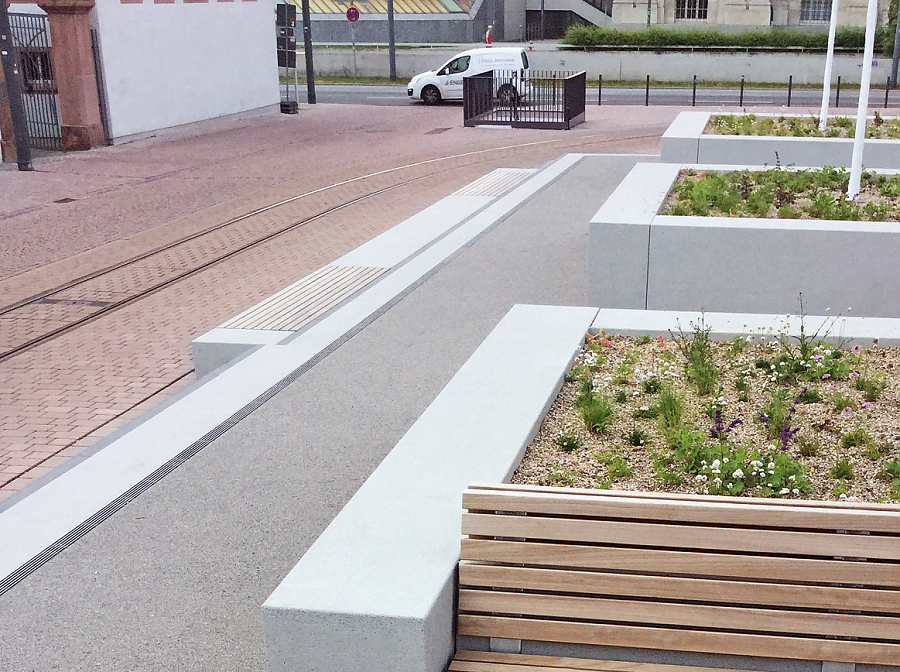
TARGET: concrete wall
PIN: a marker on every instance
(376, 591)
(171, 64)
(641, 260)
(629, 65)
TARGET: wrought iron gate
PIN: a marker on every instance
(31, 35)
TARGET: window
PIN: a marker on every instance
(691, 10)
(461, 64)
(815, 11)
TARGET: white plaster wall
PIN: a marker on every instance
(171, 64)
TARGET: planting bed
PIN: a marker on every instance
(831, 428)
(877, 128)
(796, 194)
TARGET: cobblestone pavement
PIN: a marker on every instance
(80, 213)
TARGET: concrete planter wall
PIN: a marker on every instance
(642, 260)
(685, 142)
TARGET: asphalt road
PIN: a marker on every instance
(396, 95)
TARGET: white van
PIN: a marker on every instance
(446, 83)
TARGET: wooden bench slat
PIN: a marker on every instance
(512, 488)
(683, 562)
(747, 513)
(774, 542)
(796, 648)
(679, 614)
(678, 588)
(560, 662)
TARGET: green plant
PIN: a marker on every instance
(841, 401)
(871, 386)
(636, 437)
(597, 414)
(842, 470)
(811, 396)
(568, 441)
(562, 477)
(618, 468)
(700, 367)
(620, 396)
(585, 394)
(841, 490)
(671, 412)
(858, 437)
(873, 452)
(646, 412)
(808, 445)
(652, 385)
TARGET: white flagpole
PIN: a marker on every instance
(859, 138)
(829, 61)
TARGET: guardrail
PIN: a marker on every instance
(525, 99)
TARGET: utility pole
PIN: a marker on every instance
(392, 45)
(307, 52)
(14, 91)
(896, 62)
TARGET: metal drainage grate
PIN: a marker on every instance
(497, 182)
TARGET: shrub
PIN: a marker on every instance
(842, 470)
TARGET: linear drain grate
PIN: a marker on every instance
(497, 182)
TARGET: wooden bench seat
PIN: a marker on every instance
(778, 579)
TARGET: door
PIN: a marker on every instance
(450, 78)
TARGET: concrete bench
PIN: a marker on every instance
(543, 568)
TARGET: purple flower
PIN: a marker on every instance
(854, 374)
(830, 387)
(867, 404)
(846, 410)
(855, 348)
(826, 376)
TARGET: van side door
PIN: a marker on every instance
(450, 78)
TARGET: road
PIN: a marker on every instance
(396, 95)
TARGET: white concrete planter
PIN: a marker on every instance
(685, 142)
(642, 260)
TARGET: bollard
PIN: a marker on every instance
(790, 86)
(647, 93)
(887, 88)
(741, 103)
(600, 91)
(837, 97)
(694, 98)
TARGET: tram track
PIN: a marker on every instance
(74, 297)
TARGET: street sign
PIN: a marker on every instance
(352, 14)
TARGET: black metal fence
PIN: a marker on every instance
(31, 35)
(525, 99)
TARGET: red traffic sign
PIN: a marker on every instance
(352, 14)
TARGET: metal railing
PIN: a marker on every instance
(31, 35)
(524, 99)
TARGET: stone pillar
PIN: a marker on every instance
(7, 141)
(73, 68)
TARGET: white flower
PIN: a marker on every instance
(716, 464)
(771, 464)
(756, 463)
(738, 473)
(645, 408)
(792, 478)
(717, 481)
(843, 497)
(725, 460)
(635, 393)
(700, 477)
(784, 491)
(795, 491)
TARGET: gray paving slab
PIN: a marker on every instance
(174, 581)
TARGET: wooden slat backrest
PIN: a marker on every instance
(690, 573)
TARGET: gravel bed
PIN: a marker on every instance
(604, 459)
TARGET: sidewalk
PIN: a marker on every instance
(175, 579)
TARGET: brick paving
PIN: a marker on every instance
(61, 397)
